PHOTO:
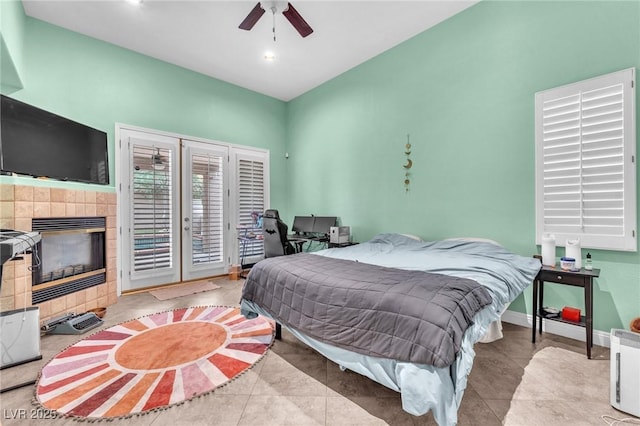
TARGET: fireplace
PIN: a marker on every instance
(69, 257)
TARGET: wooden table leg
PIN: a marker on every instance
(534, 317)
(588, 302)
(540, 302)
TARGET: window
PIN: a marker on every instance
(585, 162)
(152, 207)
(251, 201)
(207, 207)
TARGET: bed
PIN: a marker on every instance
(321, 298)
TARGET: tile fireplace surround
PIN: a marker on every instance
(21, 203)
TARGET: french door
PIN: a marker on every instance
(204, 216)
(183, 203)
(150, 211)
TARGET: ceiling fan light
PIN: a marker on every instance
(275, 6)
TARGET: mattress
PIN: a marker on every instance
(425, 387)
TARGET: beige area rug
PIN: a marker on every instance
(562, 387)
(183, 290)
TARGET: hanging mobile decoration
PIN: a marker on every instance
(407, 166)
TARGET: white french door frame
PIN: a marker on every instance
(138, 276)
(205, 226)
(231, 209)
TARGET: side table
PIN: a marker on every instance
(581, 278)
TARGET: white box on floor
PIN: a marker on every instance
(19, 336)
(625, 371)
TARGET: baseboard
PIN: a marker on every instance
(600, 338)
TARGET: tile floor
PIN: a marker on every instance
(293, 385)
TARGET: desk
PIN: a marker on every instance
(245, 239)
(299, 240)
(338, 245)
(581, 278)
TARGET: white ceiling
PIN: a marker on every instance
(203, 35)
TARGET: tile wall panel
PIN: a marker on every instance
(21, 203)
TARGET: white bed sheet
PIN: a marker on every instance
(425, 387)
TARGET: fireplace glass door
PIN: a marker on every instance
(69, 257)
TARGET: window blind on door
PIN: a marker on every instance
(251, 204)
(152, 208)
(207, 208)
(585, 161)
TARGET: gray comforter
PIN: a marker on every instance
(384, 312)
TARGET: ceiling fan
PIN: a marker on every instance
(159, 161)
(287, 10)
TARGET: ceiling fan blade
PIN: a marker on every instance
(297, 21)
(251, 19)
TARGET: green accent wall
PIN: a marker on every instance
(11, 45)
(100, 84)
(464, 91)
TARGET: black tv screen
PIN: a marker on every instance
(41, 144)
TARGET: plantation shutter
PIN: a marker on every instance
(152, 208)
(585, 162)
(207, 208)
(251, 193)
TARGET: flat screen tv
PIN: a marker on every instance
(38, 143)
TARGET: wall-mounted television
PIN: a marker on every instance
(38, 143)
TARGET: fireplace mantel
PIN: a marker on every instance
(19, 204)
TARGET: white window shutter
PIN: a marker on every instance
(251, 196)
(152, 195)
(207, 208)
(585, 162)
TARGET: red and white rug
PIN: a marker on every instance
(152, 362)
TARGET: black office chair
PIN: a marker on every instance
(274, 233)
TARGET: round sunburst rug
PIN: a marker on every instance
(152, 362)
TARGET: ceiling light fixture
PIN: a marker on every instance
(135, 2)
(269, 56)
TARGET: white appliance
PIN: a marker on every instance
(625, 371)
(339, 234)
(19, 336)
